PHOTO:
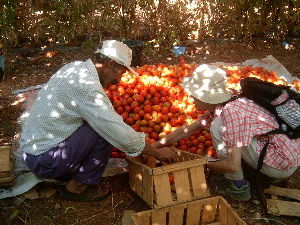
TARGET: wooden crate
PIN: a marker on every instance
(212, 211)
(7, 160)
(153, 186)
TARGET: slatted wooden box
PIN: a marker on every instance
(153, 186)
(7, 162)
(212, 211)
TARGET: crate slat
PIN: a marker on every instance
(223, 212)
(160, 216)
(182, 184)
(176, 214)
(210, 210)
(198, 183)
(193, 213)
(147, 188)
(4, 160)
(163, 189)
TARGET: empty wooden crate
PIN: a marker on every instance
(153, 184)
(7, 162)
(212, 211)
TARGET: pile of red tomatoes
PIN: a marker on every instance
(156, 104)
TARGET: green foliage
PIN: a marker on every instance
(165, 22)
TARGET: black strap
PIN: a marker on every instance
(261, 157)
(259, 190)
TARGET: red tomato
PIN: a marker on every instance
(164, 118)
(163, 99)
(129, 91)
(127, 108)
(152, 90)
(148, 116)
(195, 142)
(135, 116)
(154, 135)
(122, 154)
(125, 115)
(134, 104)
(115, 149)
(181, 142)
(171, 180)
(140, 98)
(120, 110)
(137, 109)
(144, 122)
(174, 122)
(136, 127)
(164, 110)
(141, 113)
(200, 152)
(121, 89)
(173, 109)
(148, 109)
(156, 108)
(208, 143)
(143, 129)
(183, 148)
(208, 137)
(143, 93)
(158, 95)
(156, 128)
(155, 100)
(181, 119)
(151, 123)
(130, 121)
(115, 155)
(164, 93)
(117, 103)
(201, 139)
(211, 151)
(189, 143)
(193, 150)
(112, 87)
(158, 120)
(201, 146)
(124, 102)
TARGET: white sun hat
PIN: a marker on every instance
(207, 84)
(119, 52)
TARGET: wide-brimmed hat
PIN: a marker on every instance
(208, 84)
(119, 52)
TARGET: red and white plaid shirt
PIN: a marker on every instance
(243, 119)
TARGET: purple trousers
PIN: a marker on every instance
(84, 154)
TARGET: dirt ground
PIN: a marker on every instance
(28, 68)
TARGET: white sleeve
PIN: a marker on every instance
(99, 113)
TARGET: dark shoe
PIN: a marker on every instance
(85, 197)
(226, 187)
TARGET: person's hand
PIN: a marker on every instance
(206, 119)
(167, 155)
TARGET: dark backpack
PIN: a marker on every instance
(281, 100)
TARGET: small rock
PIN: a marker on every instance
(126, 219)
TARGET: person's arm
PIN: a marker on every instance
(162, 154)
(231, 164)
(178, 134)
